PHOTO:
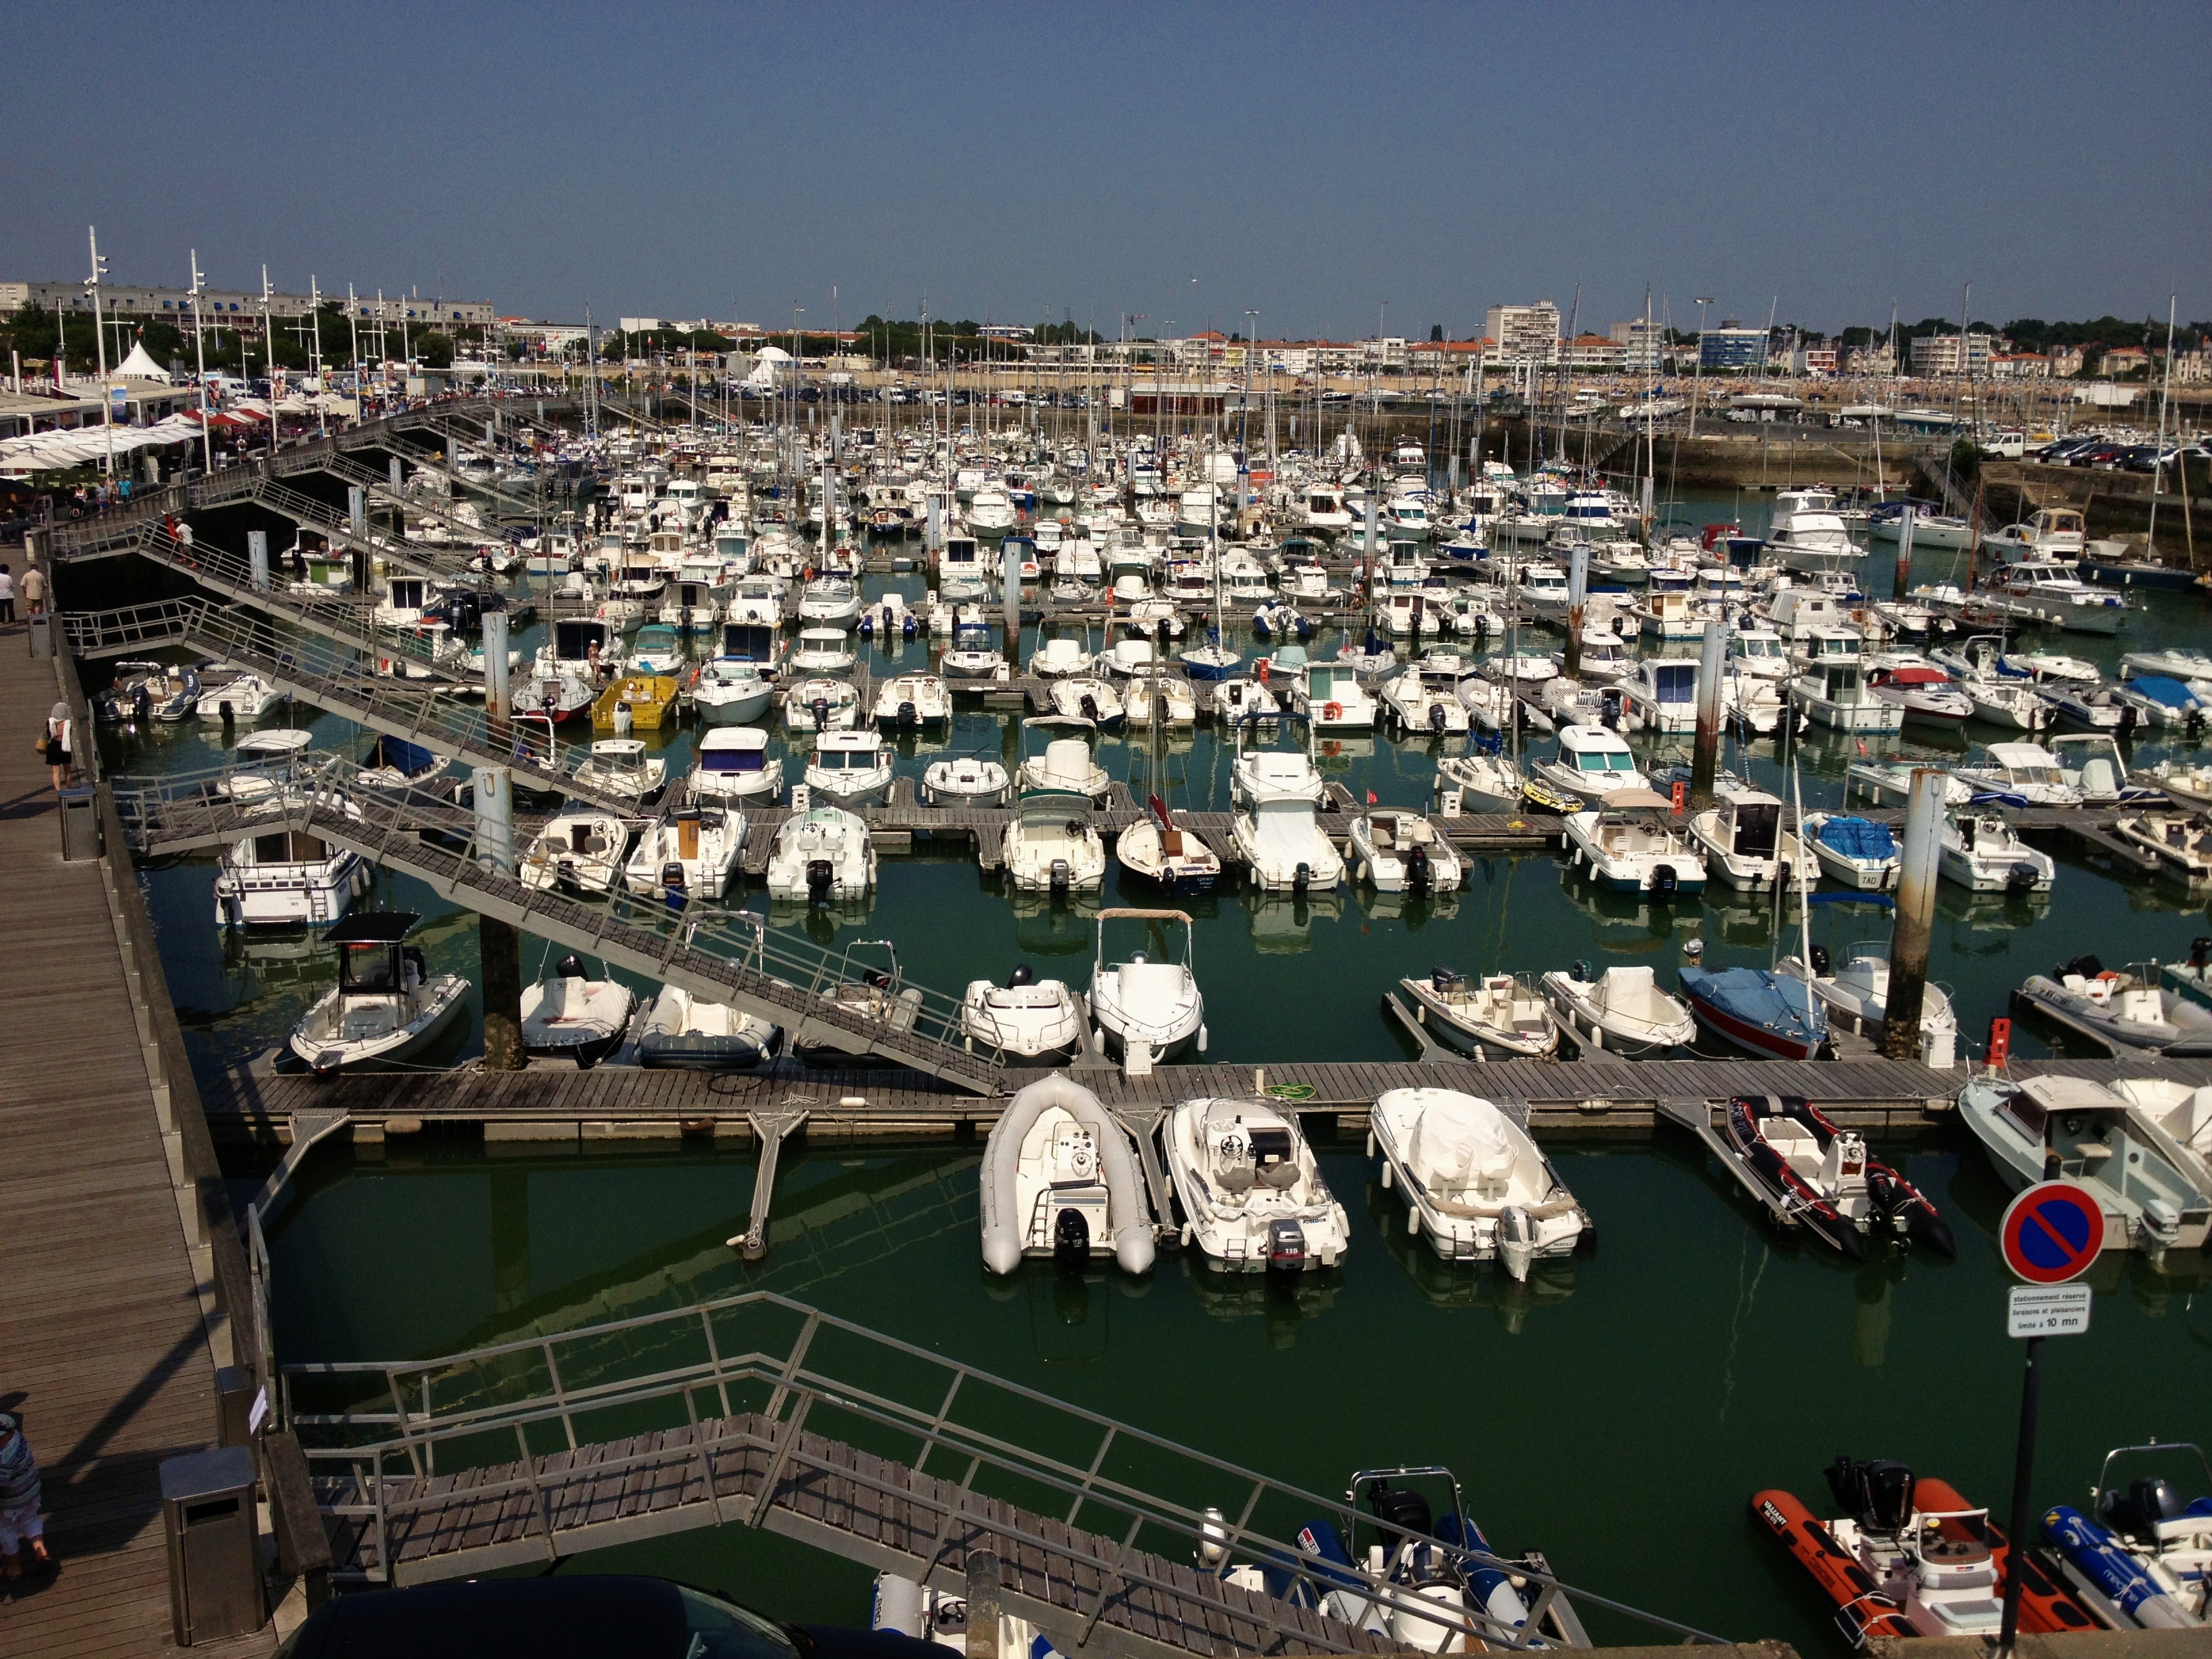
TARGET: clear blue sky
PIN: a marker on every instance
(1314, 163)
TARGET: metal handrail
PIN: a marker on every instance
(799, 1386)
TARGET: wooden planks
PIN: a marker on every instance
(107, 1355)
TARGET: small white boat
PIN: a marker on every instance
(1633, 844)
(1052, 846)
(965, 781)
(286, 878)
(1592, 764)
(570, 1017)
(1622, 1011)
(386, 1004)
(1501, 1014)
(730, 691)
(1275, 826)
(821, 855)
(1248, 1189)
(2027, 770)
(1856, 852)
(621, 768)
(2176, 1117)
(581, 850)
(1983, 853)
(1027, 1021)
(850, 768)
(1059, 659)
(829, 599)
(1061, 1180)
(910, 701)
(734, 767)
(819, 703)
(821, 651)
(2125, 1011)
(1244, 699)
(1087, 697)
(1473, 1179)
(1155, 696)
(691, 854)
(682, 1030)
(1741, 840)
(1148, 1012)
(1857, 999)
(243, 695)
(1156, 849)
(1424, 699)
(1399, 851)
(1065, 762)
(2178, 839)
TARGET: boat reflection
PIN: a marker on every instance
(1284, 1301)
(1468, 1285)
(1282, 924)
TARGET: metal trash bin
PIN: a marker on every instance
(42, 634)
(79, 822)
(215, 1544)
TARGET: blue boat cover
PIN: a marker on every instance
(1858, 838)
(2160, 689)
(1756, 996)
(408, 760)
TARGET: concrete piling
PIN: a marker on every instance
(1915, 915)
(1903, 581)
(257, 555)
(1578, 599)
(499, 945)
(1704, 756)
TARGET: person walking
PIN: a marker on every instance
(58, 741)
(19, 1522)
(7, 596)
(34, 590)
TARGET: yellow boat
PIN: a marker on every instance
(651, 699)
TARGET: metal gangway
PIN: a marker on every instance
(324, 455)
(317, 667)
(761, 1410)
(822, 998)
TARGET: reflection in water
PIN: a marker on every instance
(1282, 923)
(1283, 1301)
(1871, 1315)
(1469, 1284)
(1415, 910)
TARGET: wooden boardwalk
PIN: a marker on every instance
(102, 1346)
(822, 1491)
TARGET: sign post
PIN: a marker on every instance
(2051, 1235)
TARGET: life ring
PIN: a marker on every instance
(1333, 711)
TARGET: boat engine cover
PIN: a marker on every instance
(1876, 1494)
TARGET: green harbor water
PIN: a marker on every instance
(1616, 1412)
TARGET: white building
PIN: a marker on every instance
(1938, 354)
(1641, 343)
(1525, 334)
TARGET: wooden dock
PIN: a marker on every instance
(107, 1356)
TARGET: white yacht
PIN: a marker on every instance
(1330, 694)
(1249, 1188)
(1500, 1015)
(1742, 842)
(287, 878)
(1621, 1012)
(1660, 694)
(821, 651)
(829, 600)
(1807, 535)
(909, 700)
(965, 781)
(621, 768)
(730, 691)
(579, 851)
(1087, 697)
(822, 854)
(1633, 844)
(1834, 693)
(1983, 853)
(850, 768)
(819, 703)
(1592, 763)
(1473, 1179)
(692, 853)
(386, 1004)
(734, 767)
(1275, 826)
(1424, 697)
(1400, 851)
(243, 695)
(1758, 653)
(2027, 771)
(1052, 846)
(1147, 1012)
(1063, 762)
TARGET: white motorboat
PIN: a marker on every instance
(657, 650)
(386, 1004)
(1061, 659)
(620, 767)
(1330, 696)
(1748, 701)
(965, 781)
(850, 768)
(579, 851)
(1856, 996)
(1424, 698)
(1835, 693)
(1660, 694)
(1126, 656)
(1633, 844)
(1922, 692)
(558, 697)
(1087, 697)
(1052, 846)
(1027, 1021)
(734, 767)
(1807, 535)
(2130, 1010)
(1248, 1189)
(2178, 838)
(2026, 771)
(1065, 762)
(730, 691)
(1147, 1012)
(830, 599)
(1592, 764)
(1483, 777)
(1061, 1180)
(1758, 653)
(1155, 696)
(1500, 1014)
(691, 854)
(821, 704)
(286, 878)
(2176, 1117)
(1473, 1179)
(821, 855)
(1856, 852)
(1622, 1010)
(570, 1017)
(242, 696)
(2182, 663)
(2090, 1134)
(1983, 853)
(682, 1031)
(1399, 851)
(1240, 699)
(1741, 840)
(1275, 824)
(821, 651)
(911, 700)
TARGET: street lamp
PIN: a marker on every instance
(1697, 372)
(100, 346)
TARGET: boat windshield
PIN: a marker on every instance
(2027, 1115)
(368, 967)
(1953, 1540)
(1607, 760)
(734, 760)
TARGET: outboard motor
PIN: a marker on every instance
(1417, 869)
(1286, 1245)
(1435, 717)
(822, 714)
(1664, 882)
(1089, 705)
(1301, 877)
(1398, 1510)
(571, 966)
(906, 627)
(867, 624)
(2200, 952)
(1070, 1239)
(906, 715)
(1022, 975)
(1445, 980)
(2021, 878)
(673, 887)
(1877, 1495)
(1061, 878)
(820, 875)
(1820, 959)
(2087, 964)
(2138, 1511)
(1579, 972)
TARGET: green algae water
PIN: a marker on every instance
(1616, 1412)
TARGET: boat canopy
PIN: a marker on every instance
(1858, 838)
(2160, 689)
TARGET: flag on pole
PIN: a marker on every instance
(1373, 798)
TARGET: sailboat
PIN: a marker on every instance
(1154, 848)
(1213, 660)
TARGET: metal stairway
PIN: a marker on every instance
(315, 458)
(761, 1410)
(720, 955)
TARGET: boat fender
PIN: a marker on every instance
(1489, 1584)
(897, 1605)
(2097, 1554)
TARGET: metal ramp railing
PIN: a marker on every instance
(321, 671)
(324, 457)
(761, 1409)
(823, 997)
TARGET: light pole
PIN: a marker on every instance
(1697, 370)
(100, 347)
(199, 357)
(269, 351)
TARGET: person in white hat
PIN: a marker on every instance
(20, 1523)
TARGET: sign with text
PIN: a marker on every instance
(2047, 1311)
